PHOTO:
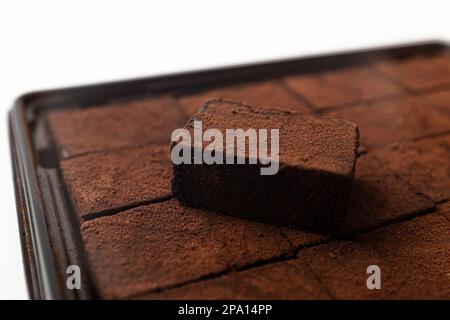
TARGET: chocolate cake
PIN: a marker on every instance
(316, 167)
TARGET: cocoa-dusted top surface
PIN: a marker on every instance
(306, 141)
(139, 122)
(394, 120)
(419, 72)
(342, 86)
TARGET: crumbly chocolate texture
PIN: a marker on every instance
(418, 73)
(165, 244)
(284, 280)
(424, 164)
(342, 86)
(413, 256)
(268, 94)
(394, 120)
(139, 122)
(311, 189)
(102, 182)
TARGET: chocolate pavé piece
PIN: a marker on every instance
(423, 164)
(311, 188)
(286, 280)
(413, 256)
(101, 182)
(394, 120)
(418, 73)
(342, 86)
(165, 244)
(268, 94)
(139, 122)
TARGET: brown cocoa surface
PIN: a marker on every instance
(418, 73)
(342, 86)
(268, 94)
(394, 120)
(101, 182)
(139, 122)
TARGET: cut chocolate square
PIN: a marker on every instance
(424, 164)
(164, 244)
(378, 197)
(100, 183)
(268, 94)
(413, 259)
(284, 280)
(394, 120)
(139, 122)
(418, 73)
(316, 166)
(342, 86)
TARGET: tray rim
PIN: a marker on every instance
(29, 202)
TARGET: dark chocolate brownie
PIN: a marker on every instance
(106, 181)
(139, 122)
(418, 73)
(283, 280)
(414, 258)
(342, 86)
(394, 120)
(165, 244)
(424, 164)
(269, 94)
(311, 189)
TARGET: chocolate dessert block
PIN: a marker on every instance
(418, 73)
(139, 122)
(424, 164)
(165, 244)
(341, 86)
(413, 256)
(268, 94)
(102, 182)
(394, 120)
(311, 188)
(283, 280)
(444, 210)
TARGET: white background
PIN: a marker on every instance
(47, 44)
